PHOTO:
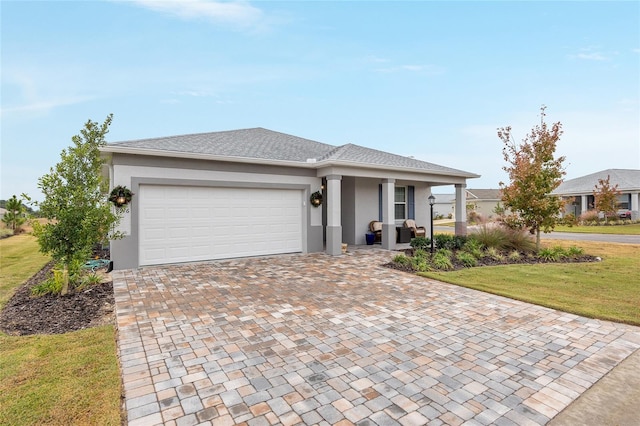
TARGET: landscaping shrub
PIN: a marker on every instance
(574, 251)
(494, 254)
(422, 243)
(589, 218)
(521, 241)
(514, 255)
(449, 242)
(401, 259)
(473, 247)
(570, 220)
(491, 235)
(552, 254)
(442, 260)
(467, 259)
(474, 218)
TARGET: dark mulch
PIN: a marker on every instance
(489, 261)
(25, 314)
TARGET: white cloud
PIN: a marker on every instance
(45, 105)
(591, 56)
(240, 14)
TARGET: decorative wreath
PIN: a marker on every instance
(316, 199)
(120, 196)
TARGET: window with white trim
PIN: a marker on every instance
(400, 202)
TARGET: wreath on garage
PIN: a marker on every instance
(120, 196)
(316, 199)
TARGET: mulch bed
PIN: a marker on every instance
(489, 261)
(25, 314)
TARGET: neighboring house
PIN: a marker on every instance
(2, 212)
(578, 192)
(247, 193)
(482, 201)
(444, 205)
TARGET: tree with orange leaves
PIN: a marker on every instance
(605, 197)
(534, 173)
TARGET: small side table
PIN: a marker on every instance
(403, 235)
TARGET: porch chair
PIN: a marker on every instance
(416, 231)
(376, 228)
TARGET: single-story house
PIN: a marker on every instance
(253, 192)
(578, 192)
(482, 201)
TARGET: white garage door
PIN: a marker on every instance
(184, 224)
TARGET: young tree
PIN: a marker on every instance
(533, 173)
(76, 203)
(14, 217)
(606, 197)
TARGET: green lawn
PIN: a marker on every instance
(19, 260)
(55, 380)
(607, 290)
(615, 230)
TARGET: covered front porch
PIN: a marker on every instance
(355, 197)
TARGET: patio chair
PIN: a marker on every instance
(375, 227)
(416, 231)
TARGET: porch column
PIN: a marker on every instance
(635, 201)
(334, 227)
(461, 209)
(583, 204)
(388, 214)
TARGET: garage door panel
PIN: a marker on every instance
(180, 224)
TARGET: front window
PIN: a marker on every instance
(401, 202)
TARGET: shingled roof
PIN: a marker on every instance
(626, 179)
(263, 144)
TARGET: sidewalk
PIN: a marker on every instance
(614, 400)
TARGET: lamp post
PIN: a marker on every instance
(432, 201)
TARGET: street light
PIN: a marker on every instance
(432, 201)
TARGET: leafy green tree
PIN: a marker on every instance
(534, 173)
(76, 203)
(15, 215)
(606, 197)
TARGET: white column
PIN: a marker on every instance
(334, 226)
(583, 204)
(388, 214)
(635, 203)
(461, 210)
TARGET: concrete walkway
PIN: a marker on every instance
(314, 339)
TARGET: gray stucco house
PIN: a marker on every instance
(482, 201)
(579, 191)
(247, 193)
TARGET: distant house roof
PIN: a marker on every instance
(483, 194)
(626, 179)
(263, 145)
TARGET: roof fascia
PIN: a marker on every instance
(392, 173)
(201, 156)
(334, 167)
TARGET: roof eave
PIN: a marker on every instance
(456, 173)
(114, 149)
(201, 156)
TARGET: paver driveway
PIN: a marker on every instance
(314, 339)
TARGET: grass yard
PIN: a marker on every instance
(633, 229)
(62, 379)
(19, 260)
(606, 290)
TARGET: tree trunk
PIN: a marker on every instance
(537, 239)
(65, 280)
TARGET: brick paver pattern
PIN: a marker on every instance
(315, 339)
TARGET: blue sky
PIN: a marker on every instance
(433, 80)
